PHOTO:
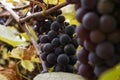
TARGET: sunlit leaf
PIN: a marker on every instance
(69, 13)
(58, 76)
(35, 59)
(17, 53)
(6, 35)
(28, 65)
(111, 74)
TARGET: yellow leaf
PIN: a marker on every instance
(35, 59)
(17, 53)
(28, 65)
(6, 35)
(111, 74)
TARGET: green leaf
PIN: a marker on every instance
(58, 76)
(6, 35)
(111, 74)
(28, 65)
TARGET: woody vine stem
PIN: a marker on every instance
(23, 24)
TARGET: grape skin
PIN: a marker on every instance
(62, 59)
(107, 24)
(64, 39)
(90, 21)
(105, 50)
(51, 58)
(69, 49)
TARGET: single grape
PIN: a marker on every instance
(105, 50)
(80, 13)
(59, 68)
(85, 70)
(69, 30)
(90, 21)
(89, 46)
(59, 51)
(44, 39)
(44, 56)
(55, 26)
(97, 36)
(114, 37)
(62, 59)
(48, 47)
(94, 59)
(60, 19)
(73, 60)
(55, 42)
(107, 23)
(69, 49)
(64, 39)
(52, 34)
(51, 58)
(74, 42)
(82, 33)
(105, 6)
(82, 55)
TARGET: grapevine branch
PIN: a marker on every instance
(23, 25)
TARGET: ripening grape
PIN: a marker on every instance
(114, 37)
(52, 34)
(48, 47)
(60, 19)
(80, 13)
(105, 6)
(97, 36)
(107, 23)
(90, 21)
(69, 30)
(89, 46)
(55, 26)
(44, 39)
(59, 51)
(55, 42)
(105, 50)
(82, 33)
(94, 59)
(85, 70)
(82, 55)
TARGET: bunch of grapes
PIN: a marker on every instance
(42, 24)
(59, 45)
(99, 36)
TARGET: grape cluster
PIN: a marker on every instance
(58, 46)
(99, 36)
(42, 24)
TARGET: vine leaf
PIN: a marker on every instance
(58, 76)
(28, 65)
(111, 74)
(6, 35)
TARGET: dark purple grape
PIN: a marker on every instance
(74, 42)
(52, 34)
(89, 46)
(73, 1)
(80, 13)
(69, 49)
(55, 26)
(94, 59)
(90, 21)
(69, 68)
(105, 6)
(107, 23)
(59, 51)
(105, 50)
(59, 68)
(69, 30)
(97, 36)
(114, 37)
(90, 4)
(51, 58)
(73, 60)
(85, 70)
(44, 56)
(44, 39)
(62, 59)
(60, 19)
(55, 42)
(82, 33)
(48, 47)
(64, 39)
(82, 55)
